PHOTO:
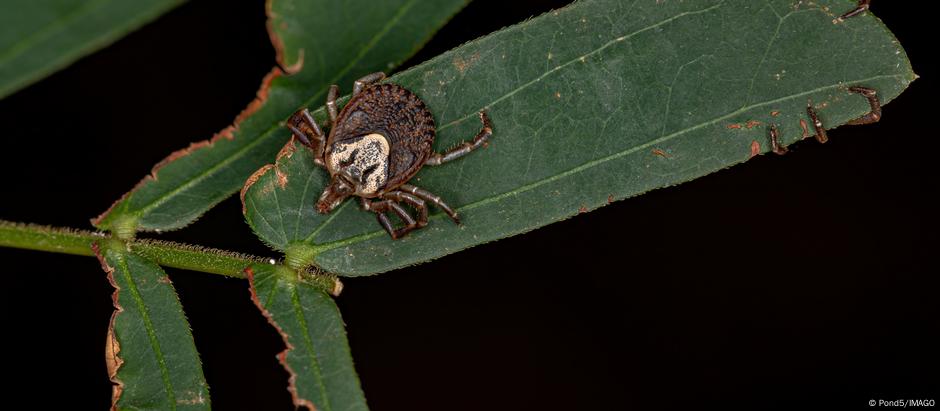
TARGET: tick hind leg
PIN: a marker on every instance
(331, 104)
(367, 80)
(306, 130)
(358, 85)
(390, 202)
(466, 147)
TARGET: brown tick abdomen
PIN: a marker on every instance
(397, 114)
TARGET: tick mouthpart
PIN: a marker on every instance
(334, 194)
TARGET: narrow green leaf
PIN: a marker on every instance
(593, 103)
(322, 376)
(39, 37)
(321, 42)
(151, 357)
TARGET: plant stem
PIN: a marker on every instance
(165, 253)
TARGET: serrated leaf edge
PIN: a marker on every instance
(281, 356)
(112, 346)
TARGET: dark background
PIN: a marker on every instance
(798, 281)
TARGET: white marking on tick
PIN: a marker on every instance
(367, 154)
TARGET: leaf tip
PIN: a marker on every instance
(278, 43)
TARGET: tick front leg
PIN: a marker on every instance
(400, 196)
(381, 207)
(428, 196)
(365, 81)
(306, 130)
(466, 147)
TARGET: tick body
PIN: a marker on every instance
(378, 142)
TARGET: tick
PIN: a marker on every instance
(378, 142)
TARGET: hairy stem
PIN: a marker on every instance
(165, 253)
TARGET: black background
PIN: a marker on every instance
(794, 282)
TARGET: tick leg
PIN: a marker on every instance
(417, 203)
(859, 9)
(874, 115)
(365, 81)
(821, 135)
(464, 148)
(331, 103)
(381, 207)
(428, 196)
(306, 130)
(775, 141)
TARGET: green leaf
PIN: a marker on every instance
(593, 103)
(322, 42)
(322, 376)
(39, 37)
(151, 357)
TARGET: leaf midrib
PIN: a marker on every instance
(590, 164)
(148, 325)
(308, 344)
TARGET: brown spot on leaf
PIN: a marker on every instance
(660, 153)
(582, 209)
(251, 181)
(734, 126)
(775, 113)
(282, 356)
(558, 95)
(610, 198)
(281, 177)
(755, 148)
(805, 128)
(191, 398)
(461, 63)
(751, 124)
(226, 133)
(287, 151)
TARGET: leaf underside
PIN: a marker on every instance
(593, 103)
(322, 43)
(322, 376)
(39, 37)
(152, 359)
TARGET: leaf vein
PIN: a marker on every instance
(578, 59)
